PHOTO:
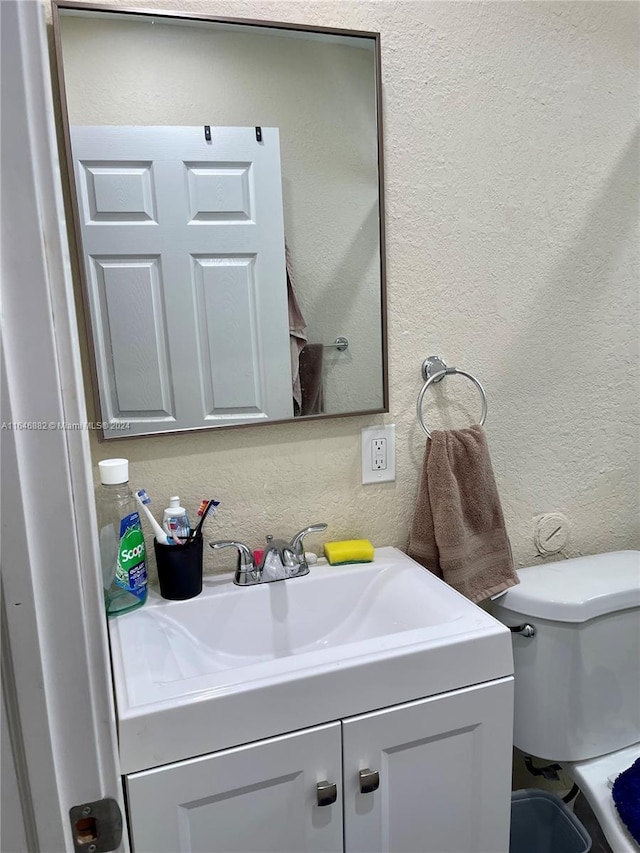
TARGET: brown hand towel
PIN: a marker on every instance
(311, 379)
(458, 529)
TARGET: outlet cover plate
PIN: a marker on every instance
(368, 436)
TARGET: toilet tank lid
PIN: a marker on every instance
(578, 589)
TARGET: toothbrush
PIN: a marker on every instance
(143, 499)
(205, 508)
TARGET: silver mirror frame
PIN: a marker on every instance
(73, 213)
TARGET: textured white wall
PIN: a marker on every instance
(511, 146)
(322, 98)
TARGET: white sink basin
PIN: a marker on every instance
(239, 663)
(229, 628)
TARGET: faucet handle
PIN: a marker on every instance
(246, 572)
(296, 542)
(244, 554)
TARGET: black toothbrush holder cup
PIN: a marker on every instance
(180, 569)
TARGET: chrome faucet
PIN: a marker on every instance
(281, 559)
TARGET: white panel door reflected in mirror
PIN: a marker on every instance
(143, 71)
(183, 239)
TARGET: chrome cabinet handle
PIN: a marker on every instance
(327, 793)
(369, 780)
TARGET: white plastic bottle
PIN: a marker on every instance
(175, 520)
(122, 549)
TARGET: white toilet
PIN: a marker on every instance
(577, 679)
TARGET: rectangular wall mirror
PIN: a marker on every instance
(226, 179)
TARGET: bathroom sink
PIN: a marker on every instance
(239, 663)
(229, 628)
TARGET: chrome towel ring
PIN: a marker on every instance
(434, 369)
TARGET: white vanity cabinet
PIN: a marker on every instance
(443, 785)
(379, 667)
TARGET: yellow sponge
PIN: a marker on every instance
(349, 551)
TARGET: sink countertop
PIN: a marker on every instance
(234, 665)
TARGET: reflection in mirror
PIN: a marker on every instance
(228, 205)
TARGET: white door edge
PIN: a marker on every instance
(65, 744)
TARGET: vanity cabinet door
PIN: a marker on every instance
(443, 770)
(258, 798)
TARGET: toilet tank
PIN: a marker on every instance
(577, 681)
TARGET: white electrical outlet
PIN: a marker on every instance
(378, 453)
